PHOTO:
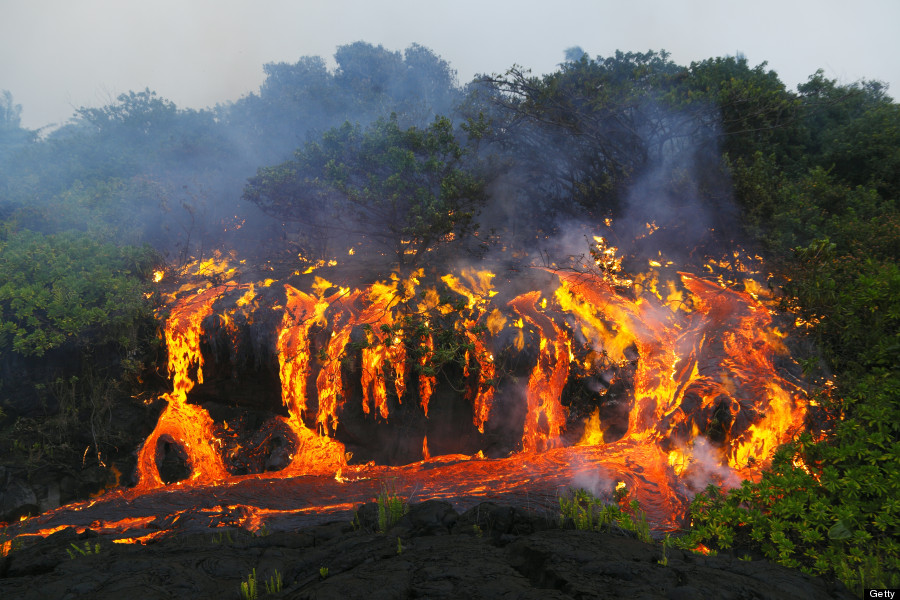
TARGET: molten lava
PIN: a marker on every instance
(546, 417)
(187, 425)
(679, 373)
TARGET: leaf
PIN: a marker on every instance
(840, 531)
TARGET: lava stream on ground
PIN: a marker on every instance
(528, 480)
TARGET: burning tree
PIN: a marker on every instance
(405, 191)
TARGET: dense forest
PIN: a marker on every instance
(389, 154)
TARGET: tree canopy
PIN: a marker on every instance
(406, 190)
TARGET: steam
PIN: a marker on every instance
(592, 478)
(705, 467)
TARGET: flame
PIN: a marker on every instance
(188, 425)
(546, 417)
(329, 384)
(117, 475)
(427, 382)
(678, 391)
(699, 355)
(313, 453)
(593, 430)
(477, 288)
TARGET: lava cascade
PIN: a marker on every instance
(701, 355)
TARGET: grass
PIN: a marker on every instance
(75, 551)
(249, 590)
(587, 512)
(390, 508)
(275, 583)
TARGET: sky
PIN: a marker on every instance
(58, 55)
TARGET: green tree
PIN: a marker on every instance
(748, 109)
(13, 138)
(588, 130)
(407, 190)
(68, 289)
(300, 101)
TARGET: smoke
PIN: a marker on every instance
(705, 467)
(592, 478)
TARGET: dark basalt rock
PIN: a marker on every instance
(489, 551)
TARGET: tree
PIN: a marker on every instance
(300, 101)
(748, 109)
(574, 53)
(853, 131)
(406, 190)
(12, 136)
(592, 126)
(68, 288)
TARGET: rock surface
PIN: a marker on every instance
(489, 551)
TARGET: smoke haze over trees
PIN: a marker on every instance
(388, 152)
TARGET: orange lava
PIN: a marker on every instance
(702, 357)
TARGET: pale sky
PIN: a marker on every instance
(57, 55)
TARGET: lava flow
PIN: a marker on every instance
(588, 379)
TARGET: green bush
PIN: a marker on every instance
(838, 517)
(69, 288)
(77, 328)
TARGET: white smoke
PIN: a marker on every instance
(705, 466)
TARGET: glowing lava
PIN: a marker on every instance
(187, 425)
(693, 361)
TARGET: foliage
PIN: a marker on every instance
(816, 176)
(838, 516)
(589, 513)
(76, 551)
(585, 131)
(390, 508)
(299, 101)
(76, 327)
(68, 288)
(664, 559)
(249, 590)
(275, 583)
(13, 138)
(406, 189)
(749, 109)
(222, 537)
(828, 506)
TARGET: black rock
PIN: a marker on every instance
(490, 551)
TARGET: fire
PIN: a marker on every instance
(683, 370)
(313, 453)
(546, 417)
(593, 430)
(478, 291)
(187, 425)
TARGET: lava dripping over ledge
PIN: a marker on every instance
(464, 387)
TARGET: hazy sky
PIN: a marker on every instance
(57, 55)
